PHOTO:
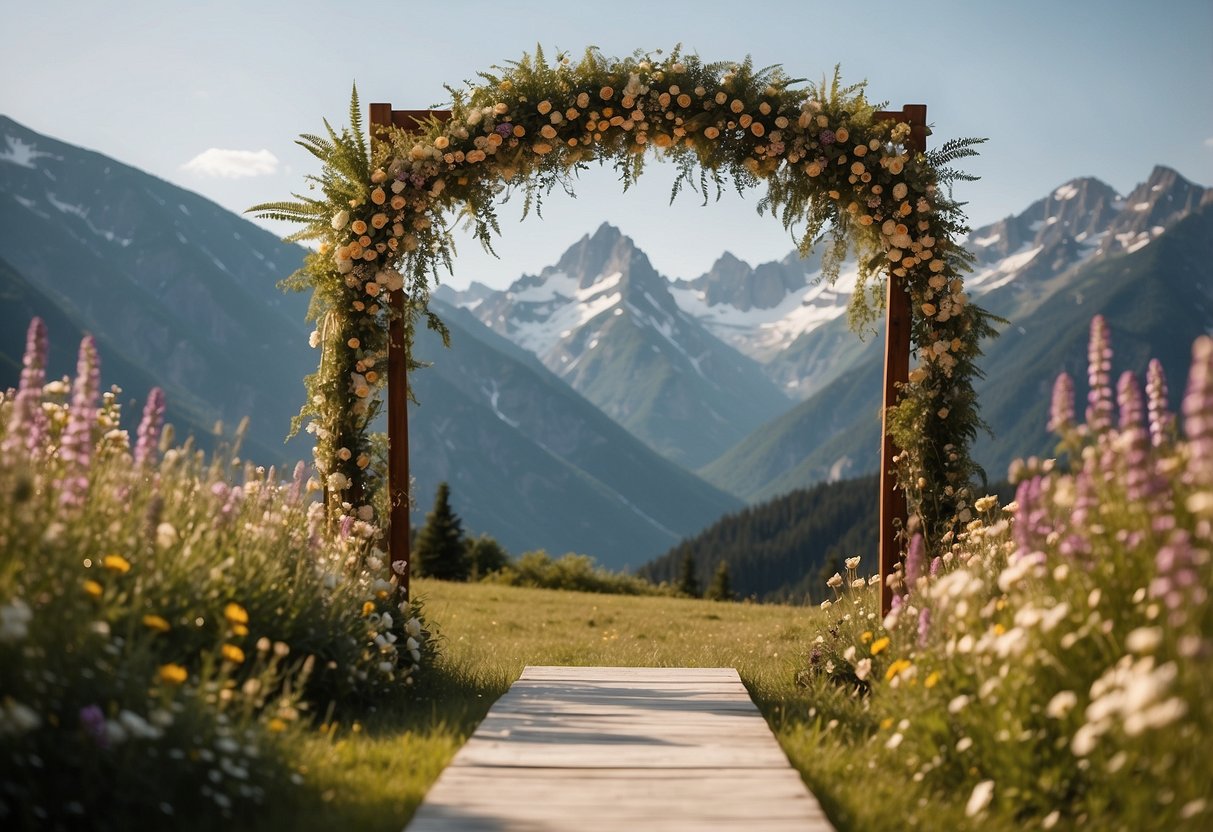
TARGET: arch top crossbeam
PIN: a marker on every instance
(829, 163)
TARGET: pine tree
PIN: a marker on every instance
(720, 588)
(688, 584)
(440, 551)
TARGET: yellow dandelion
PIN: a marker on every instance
(157, 623)
(116, 563)
(866, 636)
(232, 653)
(879, 645)
(235, 614)
(886, 723)
(93, 588)
(172, 674)
(932, 680)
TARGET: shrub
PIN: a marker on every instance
(575, 572)
(1053, 664)
(165, 618)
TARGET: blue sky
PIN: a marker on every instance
(1062, 88)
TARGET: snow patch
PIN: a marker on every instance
(1004, 271)
(31, 205)
(82, 212)
(1065, 192)
(988, 240)
(22, 154)
(1142, 206)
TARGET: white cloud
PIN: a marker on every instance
(232, 164)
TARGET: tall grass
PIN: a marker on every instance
(168, 622)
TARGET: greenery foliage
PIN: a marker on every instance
(572, 572)
(440, 550)
(688, 581)
(169, 623)
(829, 166)
(721, 588)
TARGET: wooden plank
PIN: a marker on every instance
(619, 748)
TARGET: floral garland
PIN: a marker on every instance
(384, 225)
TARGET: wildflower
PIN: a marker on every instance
(915, 555)
(982, 794)
(932, 680)
(1144, 639)
(1061, 704)
(148, 441)
(232, 653)
(276, 725)
(15, 617)
(1061, 417)
(116, 563)
(1099, 399)
(879, 645)
(835, 581)
(156, 622)
(16, 718)
(897, 668)
(93, 588)
(92, 723)
(1161, 420)
(172, 674)
(166, 535)
(28, 421)
(863, 668)
(235, 614)
(76, 445)
(852, 563)
(1198, 412)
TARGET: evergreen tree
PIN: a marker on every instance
(720, 589)
(440, 551)
(485, 556)
(688, 584)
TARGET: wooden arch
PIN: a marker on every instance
(893, 508)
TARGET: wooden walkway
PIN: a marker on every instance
(592, 749)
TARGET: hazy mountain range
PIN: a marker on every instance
(572, 407)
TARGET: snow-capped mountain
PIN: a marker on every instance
(606, 322)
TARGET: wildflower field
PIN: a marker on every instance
(184, 641)
(169, 623)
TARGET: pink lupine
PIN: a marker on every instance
(1198, 413)
(1061, 417)
(76, 447)
(298, 482)
(147, 444)
(1099, 398)
(27, 427)
(915, 557)
(1162, 421)
(924, 626)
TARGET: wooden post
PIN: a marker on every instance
(893, 509)
(383, 117)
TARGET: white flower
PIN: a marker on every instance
(852, 563)
(338, 481)
(1061, 704)
(964, 744)
(413, 627)
(313, 340)
(166, 535)
(858, 583)
(982, 794)
(825, 605)
(15, 617)
(1085, 739)
(894, 741)
(340, 219)
(1144, 639)
(863, 667)
(835, 581)
(391, 279)
(958, 704)
(17, 719)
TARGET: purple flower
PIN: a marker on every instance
(1099, 357)
(417, 179)
(826, 137)
(1162, 421)
(924, 626)
(148, 442)
(76, 447)
(1062, 412)
(915, 556)
(298, 482)
(92, 723)
(1198, 413)
(28, 424)
(505, 129)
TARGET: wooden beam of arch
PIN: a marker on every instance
(893, 510)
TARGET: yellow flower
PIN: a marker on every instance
(172, 674)
(879, 645)
(932, 680)
(276, 725)
(866, 636)
(886, 723)
(93, 588)
(239, 630)
(235, 614)
(367, 608)
(116, 563)
(896, 668)
(232, 653)
(156, 622)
